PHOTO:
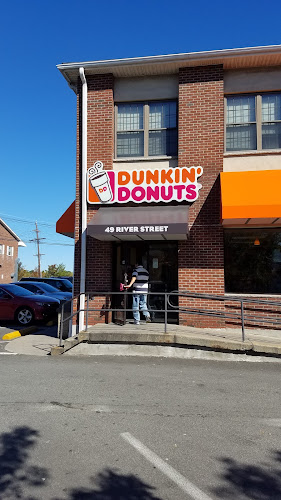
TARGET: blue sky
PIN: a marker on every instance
(38, 110)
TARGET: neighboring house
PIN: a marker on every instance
(9, 243)
(214, 228)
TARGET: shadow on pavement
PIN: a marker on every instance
(17, 476)
(49, 331)
(111, 485)
(255, 482)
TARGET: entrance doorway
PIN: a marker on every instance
(161, 261)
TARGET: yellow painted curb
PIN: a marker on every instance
(19, 333)
(11, 335)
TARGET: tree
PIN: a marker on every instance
(23, 272)
(56, 270)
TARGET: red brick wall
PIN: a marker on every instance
(7, 263)
(100, 147)
(201, 142)
(201, 133)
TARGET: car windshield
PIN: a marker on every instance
(68, 285)
(46, 287)
(17, 290)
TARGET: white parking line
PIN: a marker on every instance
(169, 471)
(9, 353)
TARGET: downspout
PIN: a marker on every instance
(83, 201)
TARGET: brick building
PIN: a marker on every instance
(9, 243)
(211, 222)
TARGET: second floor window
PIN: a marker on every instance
(271, 121)
(253, 122)
(146, 129)
(10, 251)
(2, 248)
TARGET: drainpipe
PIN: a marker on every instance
(83, 200)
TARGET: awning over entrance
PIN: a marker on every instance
(65, 224)
(139, 223)
(251, 198)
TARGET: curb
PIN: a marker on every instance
(69, 343)
(171, 340)
(20, 333)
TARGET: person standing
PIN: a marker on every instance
(139, 282)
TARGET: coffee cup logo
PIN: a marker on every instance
(99, 181)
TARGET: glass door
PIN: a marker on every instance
(161, 261)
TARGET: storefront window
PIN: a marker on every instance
(252, 261)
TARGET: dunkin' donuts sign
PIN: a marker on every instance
(164, 184)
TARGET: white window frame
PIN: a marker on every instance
(145, 128)
(2, 249)
(258, 121)
(10, 251)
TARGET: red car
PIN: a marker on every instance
(23, 306)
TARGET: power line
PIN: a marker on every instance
(28, 240)
(25, 221)
(60, 244)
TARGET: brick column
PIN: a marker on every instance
(201, 142)
(100, 126)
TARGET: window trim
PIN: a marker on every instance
(258, 110)
(9, 248)
(2, 246)
(145, 129)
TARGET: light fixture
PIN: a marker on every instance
(257, 242)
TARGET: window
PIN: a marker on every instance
(253, 261)
(10, 251)
(241, 124)
(146, 129)
(271, 121)
(2, 249)
(253, 122)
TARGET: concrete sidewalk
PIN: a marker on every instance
(229, 340)
(38, 345)
(38, 342)
(146, 336)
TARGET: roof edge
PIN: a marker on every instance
(20, 242)
(185, 56)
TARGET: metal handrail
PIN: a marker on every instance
(240, 314)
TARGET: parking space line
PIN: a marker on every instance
(166, 469)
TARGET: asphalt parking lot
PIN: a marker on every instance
(147, 429)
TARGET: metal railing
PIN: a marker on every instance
(237, 310)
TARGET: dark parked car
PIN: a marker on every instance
(23, 306)
(69, 278)
(62, 284)
(41, 288)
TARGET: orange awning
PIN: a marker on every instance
(66, 223)
(252, 198)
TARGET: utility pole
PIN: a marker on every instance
(37, 241)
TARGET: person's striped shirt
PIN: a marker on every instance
(142, 277)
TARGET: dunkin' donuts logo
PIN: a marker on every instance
(100, 183)
(159, 185)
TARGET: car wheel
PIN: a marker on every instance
(24, 316)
